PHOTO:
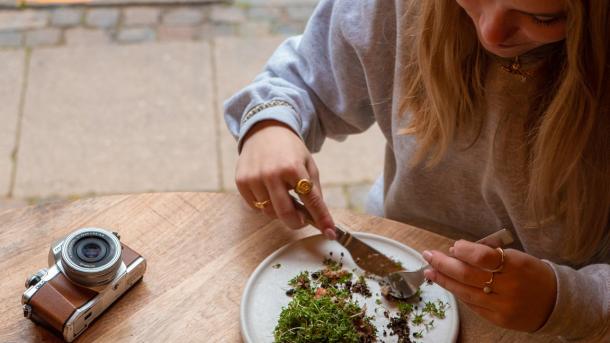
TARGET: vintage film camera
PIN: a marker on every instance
(88, 270)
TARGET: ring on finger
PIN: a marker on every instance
(500, 265)
(487, 288)
(303, 187)
(262, 204)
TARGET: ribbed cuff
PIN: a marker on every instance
(578, 314)
(283, 114)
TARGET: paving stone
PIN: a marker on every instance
(11, 39)
(358, 159)
(238, 61)
(141, 16)
(13, 20)
(136, 35)
(102, 17)
(299, 13)
(225, 29)
(230, 14)
(11, 82)
(178, 33)
(358, 195)
(257, 3)
(82, 36)
(124, 118)
(160, 2)
(288, 28)
(205, 32)
(264, 13)
(183, 17)
(43, 37)
(254, 29)
(335, 196)
(64, 17)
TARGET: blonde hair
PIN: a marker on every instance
(569, 176)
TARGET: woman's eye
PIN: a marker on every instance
(546, 20)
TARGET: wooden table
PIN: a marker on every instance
(201, 249)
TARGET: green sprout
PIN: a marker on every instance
(321, 309)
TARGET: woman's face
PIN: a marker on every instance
(509, 28)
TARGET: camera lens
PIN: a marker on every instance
(91, 249)
(91, 256)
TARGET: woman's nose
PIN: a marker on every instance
(495, 27)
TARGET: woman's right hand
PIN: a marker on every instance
(272, 160)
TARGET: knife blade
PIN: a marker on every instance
(364, 255)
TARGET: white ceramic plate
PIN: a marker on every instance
(264, 295)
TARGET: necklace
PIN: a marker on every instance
(515, 68)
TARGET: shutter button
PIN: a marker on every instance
(35, 278)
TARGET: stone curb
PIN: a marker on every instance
(15, 4)
(81, 25)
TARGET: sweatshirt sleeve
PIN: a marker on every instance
(313, 83)
(582, 306)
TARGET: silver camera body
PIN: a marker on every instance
(88, 271)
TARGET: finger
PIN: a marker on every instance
(456, 269)
(313, 172)
(314, 201)
(482, 311)
(260, 193)
(248, 197)
(477, 255)
(468, 294)
(243, 186)
(282, 203)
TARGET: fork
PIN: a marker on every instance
(404, 284)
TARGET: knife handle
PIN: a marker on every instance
(300, 206)
(342, 234)
(497, 239)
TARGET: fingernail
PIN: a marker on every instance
(427, 255)
(330, 234)
(451, 250)
(429, 274)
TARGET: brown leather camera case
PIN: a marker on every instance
(57, 299)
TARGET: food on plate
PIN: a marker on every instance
(323, 309)
(328, 305)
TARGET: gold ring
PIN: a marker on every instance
(500, 265)
(262, 204)
(303, 187)
(487, 289)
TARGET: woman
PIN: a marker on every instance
(495, 113)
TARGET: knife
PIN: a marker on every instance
(371, 260)
(364, 255)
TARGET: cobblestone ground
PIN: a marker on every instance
(132, 24)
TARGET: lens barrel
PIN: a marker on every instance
(91, 256)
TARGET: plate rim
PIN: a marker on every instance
(259, 268)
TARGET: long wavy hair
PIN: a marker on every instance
(569, 162)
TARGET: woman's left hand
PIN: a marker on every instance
(522, 295)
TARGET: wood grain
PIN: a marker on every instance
(201, 249)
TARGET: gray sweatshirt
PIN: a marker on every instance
(342, 75)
